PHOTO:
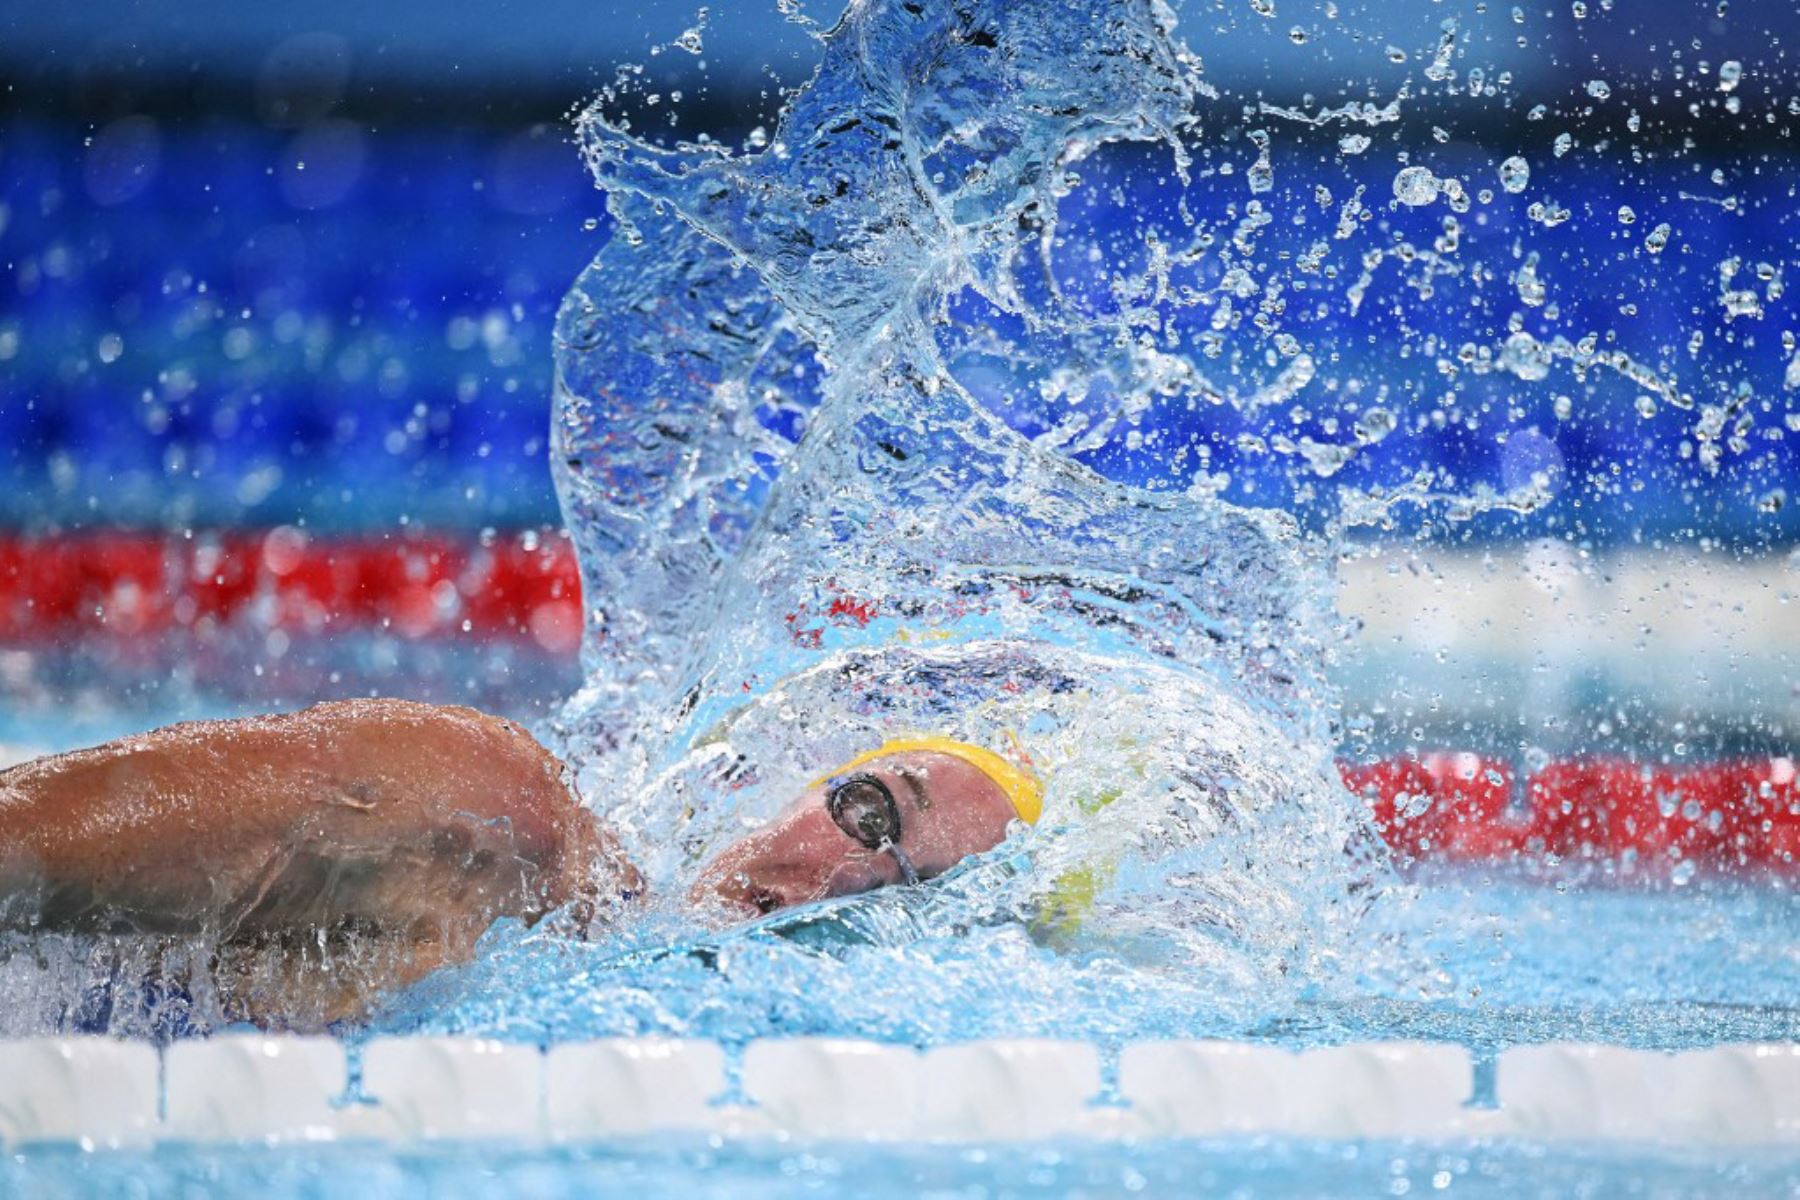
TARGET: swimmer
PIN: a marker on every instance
(402, 831)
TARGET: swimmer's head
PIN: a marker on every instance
(908, 811)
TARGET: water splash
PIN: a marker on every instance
(888, 423)
(803, 530)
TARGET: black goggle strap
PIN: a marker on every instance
(904, 863)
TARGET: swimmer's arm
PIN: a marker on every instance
(377, 816)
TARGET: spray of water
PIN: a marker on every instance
(887, 423)
(803, 530)
(1004, 391)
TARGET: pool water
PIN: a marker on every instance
(1505, 963)
(1038, 390)
(1272, 1167)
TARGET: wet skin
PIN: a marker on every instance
(948, 811)
(405, 828)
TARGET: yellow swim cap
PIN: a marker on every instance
(1021, 786)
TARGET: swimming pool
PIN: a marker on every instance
(1386, 549)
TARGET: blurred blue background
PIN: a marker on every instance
(268, 264)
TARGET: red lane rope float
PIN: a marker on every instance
(1631, 821)
(125, 585)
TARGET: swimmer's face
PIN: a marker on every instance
(947, 811)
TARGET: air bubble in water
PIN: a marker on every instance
(1515, 174)
(1659, 237)
(1598, 89)
(1263, 8)
(1416, 186)
(1729, 75)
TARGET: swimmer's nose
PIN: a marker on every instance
(801, 858)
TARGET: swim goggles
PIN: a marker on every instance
(864, 808)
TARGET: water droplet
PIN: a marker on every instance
(1263, 8)
(1262, 171)
(1531, 291)
(1526, 357)
(1439, 69)
(1375, 424)
(1416, 186)
(1515, 174)
(1408, 805)
(1297, 36)
(1549, 215)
